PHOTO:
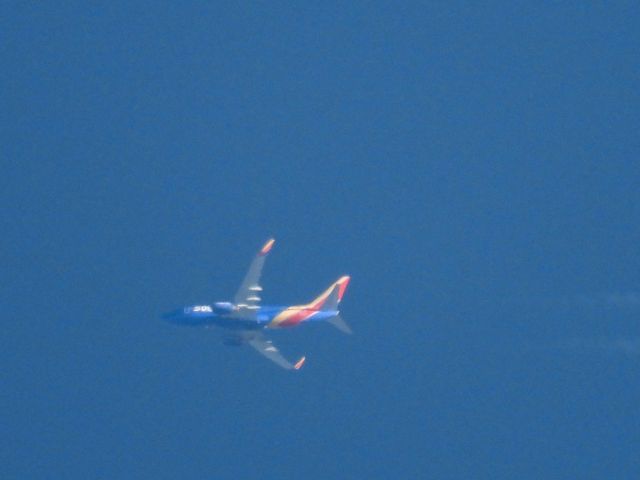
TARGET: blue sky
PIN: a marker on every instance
(473, 167)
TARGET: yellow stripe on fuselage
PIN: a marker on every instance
(285, 315)
(291, 316)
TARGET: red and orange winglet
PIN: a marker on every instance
(267, 247)
(299, 363)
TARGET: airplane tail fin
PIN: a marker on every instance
(330, 300)
(331, 297)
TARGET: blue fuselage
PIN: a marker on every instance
(262, 317)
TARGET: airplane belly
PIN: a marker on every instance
(237, 324)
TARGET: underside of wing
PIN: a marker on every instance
(266, 347)
(248, 295)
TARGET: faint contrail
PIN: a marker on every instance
(629, 346)
(623, 299)
(620, 300)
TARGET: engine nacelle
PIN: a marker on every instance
(223, 307)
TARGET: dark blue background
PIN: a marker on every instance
(473, 167)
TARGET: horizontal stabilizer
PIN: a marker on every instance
(340, 324)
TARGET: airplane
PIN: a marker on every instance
(245, 320)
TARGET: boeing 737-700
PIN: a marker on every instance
(245, 320)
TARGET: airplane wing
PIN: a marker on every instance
(248, 295)
(266, 347)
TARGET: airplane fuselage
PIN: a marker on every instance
(248, 319)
